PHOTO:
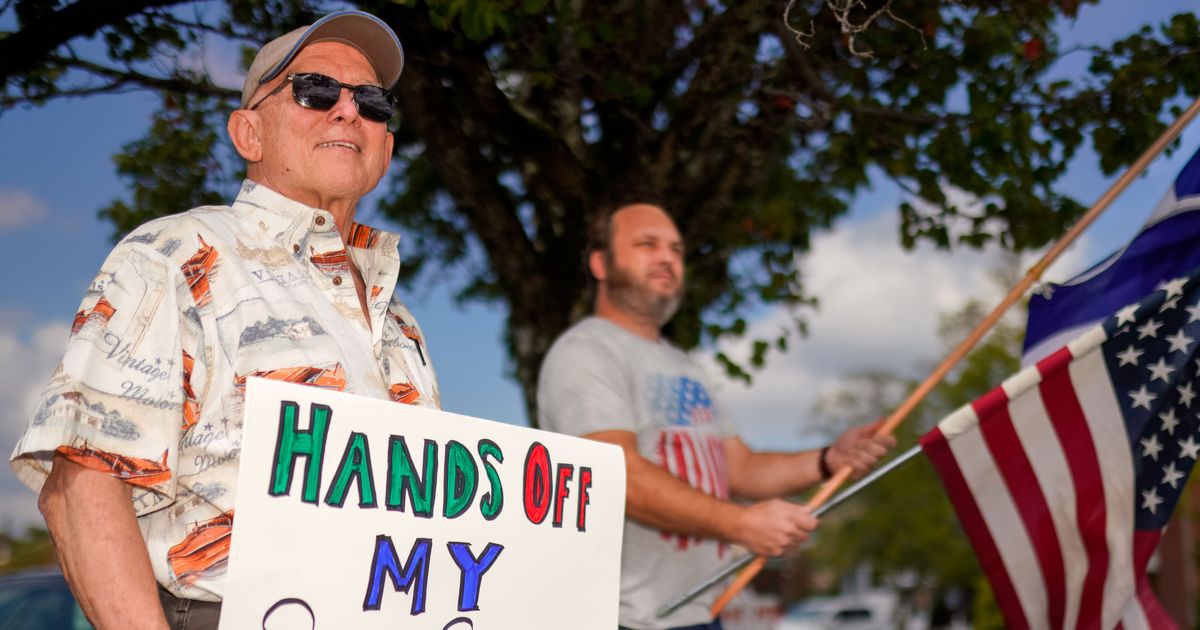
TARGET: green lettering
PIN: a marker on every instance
(355, 466)
(291, 443)
(404, 482)
(460, 479)
(492, 502)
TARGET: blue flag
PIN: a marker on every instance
(1168, 246)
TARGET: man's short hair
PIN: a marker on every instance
(599, 236)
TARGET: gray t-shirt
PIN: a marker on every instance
(600, 377)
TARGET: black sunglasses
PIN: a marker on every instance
(319, 92)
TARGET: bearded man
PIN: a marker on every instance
(135, 444)
(613, 378)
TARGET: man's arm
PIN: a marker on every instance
(100, 547)
(762, 475)
(658, 499)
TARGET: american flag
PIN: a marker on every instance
(1065, 476)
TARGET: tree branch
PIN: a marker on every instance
(128, 76)
(115, 87)
(26, 48)
(200, 27)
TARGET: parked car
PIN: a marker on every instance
(861, 612)
(39, 599)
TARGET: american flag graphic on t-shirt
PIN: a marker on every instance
(687, 446)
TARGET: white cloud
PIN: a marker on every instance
(879, 310)
(222, 60)
(19, 208)
(30, 359)
(218, 59)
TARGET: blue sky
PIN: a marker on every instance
(56, 171)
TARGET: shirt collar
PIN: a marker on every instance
(288, 221)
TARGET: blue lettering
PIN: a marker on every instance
(472, 569)
(415, 571)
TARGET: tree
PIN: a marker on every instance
(30, 548)
(904, 522)
(521, 120)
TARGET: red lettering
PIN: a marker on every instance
(561, 491)
(585, 482)
(536, 495)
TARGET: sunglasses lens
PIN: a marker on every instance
(374, 102)
(316, 91)
(319, 92)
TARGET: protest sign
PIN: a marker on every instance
(354, 512)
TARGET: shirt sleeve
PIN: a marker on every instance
(584, 388)
(726, 427)
(116, 403)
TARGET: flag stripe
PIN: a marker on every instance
(1098, 399)
(1135, 617)
(999, 511)
(718, 458)
(681, 464)
(1146, 605)
(695, 470)
(1069, 422)
(1144, 544)
(1045, 454)
(1006, 448)
(706, 463)
(937, 448)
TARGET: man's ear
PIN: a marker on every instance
(391, 141)
(243, 127)
(597, 267)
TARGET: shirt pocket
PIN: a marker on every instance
(405, 359)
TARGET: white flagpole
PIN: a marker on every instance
(736, 565)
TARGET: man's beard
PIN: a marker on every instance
(637, 298)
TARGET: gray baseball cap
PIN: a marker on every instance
(369, 34)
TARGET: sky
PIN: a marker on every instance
(879, 305)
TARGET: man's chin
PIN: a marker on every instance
(654, 307)
(663, 311)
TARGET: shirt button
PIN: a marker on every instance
(320, 221)
(296, 248)
(337, 281)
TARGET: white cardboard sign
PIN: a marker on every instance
(361, 513)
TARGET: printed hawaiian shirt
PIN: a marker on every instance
(185, 308)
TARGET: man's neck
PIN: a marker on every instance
(639, 326)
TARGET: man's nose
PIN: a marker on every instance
(667, 258)
(668, 253)
(344, 108)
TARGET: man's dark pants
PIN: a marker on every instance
(189, 614)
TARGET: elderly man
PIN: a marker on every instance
(612, 378)
(135, 443)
